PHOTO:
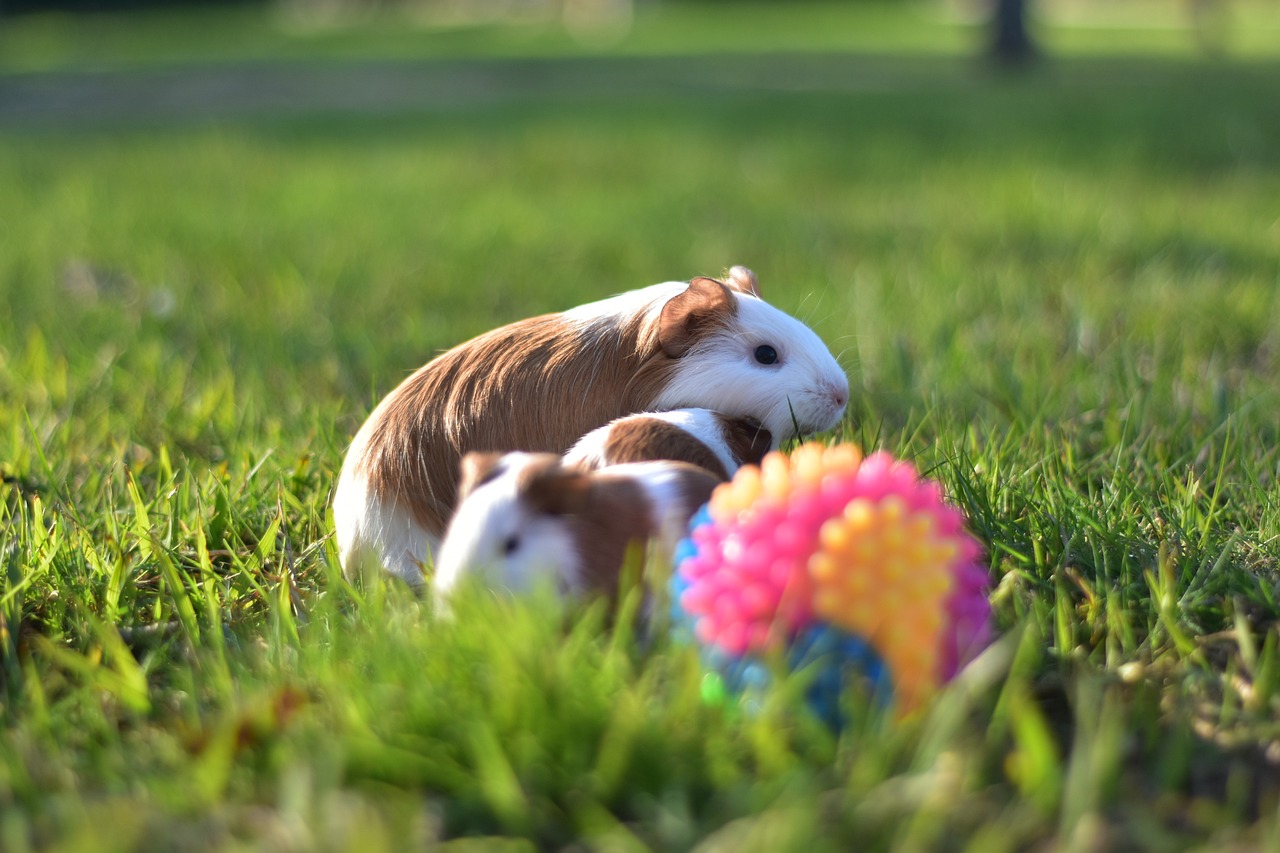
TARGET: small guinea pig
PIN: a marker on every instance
(541, 384)
(527, 518)
(701, 437)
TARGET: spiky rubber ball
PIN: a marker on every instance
(823, 550)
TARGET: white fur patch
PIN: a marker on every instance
(374, 533)
(589, 450)
(497, 539)
(806, 386)
(702, 424)
(646, 301)
(371, 532)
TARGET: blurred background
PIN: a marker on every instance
(377, 43)
(42, 34)
(321, 193)
(210, 39)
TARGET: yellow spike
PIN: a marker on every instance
(776, 477)
(835, 536)
(747, 485)
(920, 526)
(861, 514)
(857, 580)
(863, 615)
(893, 508)
(893, 538)
(808, 468)
(894, 570)
(827, 601)
(843, 458)
(867, 549)
(823, 567)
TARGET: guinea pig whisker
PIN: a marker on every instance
(810, 310)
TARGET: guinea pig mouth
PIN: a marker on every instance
(821, 414)
(828, 423)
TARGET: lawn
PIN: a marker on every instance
(1057, 294)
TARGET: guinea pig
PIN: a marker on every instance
(541, 384)
(528, 518)
(718, 443)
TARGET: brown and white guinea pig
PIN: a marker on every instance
(713, 441)
(526, 519)
(541, 384)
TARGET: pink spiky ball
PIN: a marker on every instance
(825, 551)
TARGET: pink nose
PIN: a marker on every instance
(839, 396)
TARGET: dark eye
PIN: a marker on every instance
(766, 354)
(510, 545)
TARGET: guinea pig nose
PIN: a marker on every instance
(839, 395)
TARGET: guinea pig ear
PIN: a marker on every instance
(476, 469)
(557, 491)
(743, 280)
(690, 315)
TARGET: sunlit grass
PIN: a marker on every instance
(1058, 296)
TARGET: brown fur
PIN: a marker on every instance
(476, 470)
(691, 315)
(535, 385)
(649, 439)
(617, 513)
(551, 489)
(748, 441)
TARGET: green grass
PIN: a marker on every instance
(1057, 295)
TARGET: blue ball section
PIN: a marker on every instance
(701, 517)
(685, 549)
(843, 660)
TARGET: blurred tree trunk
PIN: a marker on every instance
(1011, 42)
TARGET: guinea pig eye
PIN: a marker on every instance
(766, 354)
(510, 545)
